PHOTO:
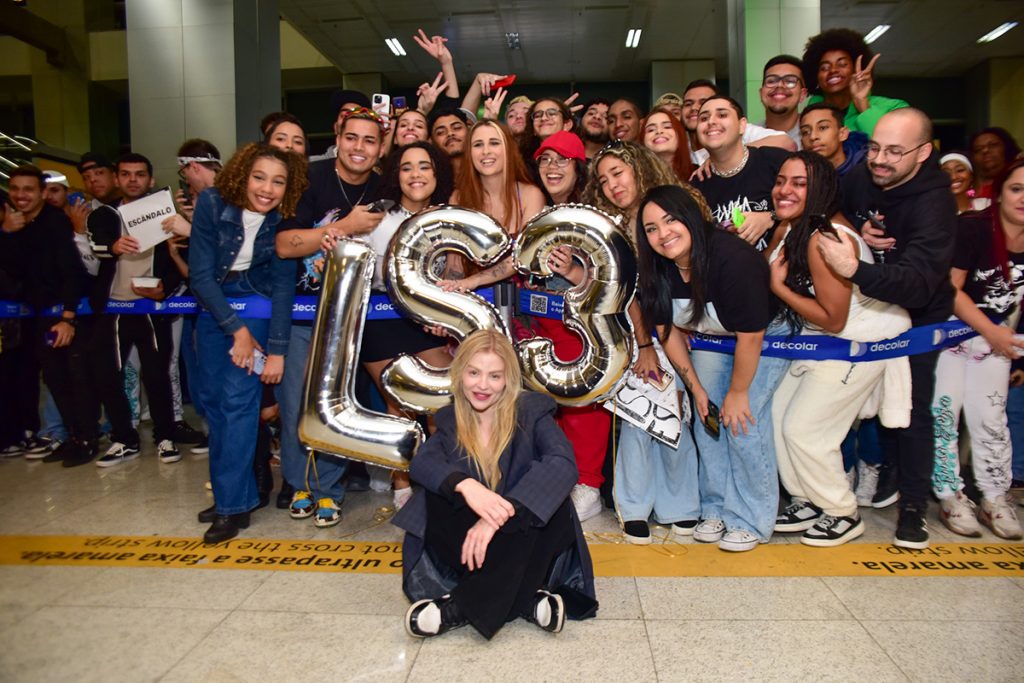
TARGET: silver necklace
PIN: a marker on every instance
(345, 194)
(733, 171)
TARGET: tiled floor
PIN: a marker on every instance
(149, 624)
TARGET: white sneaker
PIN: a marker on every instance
(587, 501)
(401, 497)
(709, 531)
(738, 541)
(1000, 516)
(867, 483)
(167, 451)
(958, 514)
(380, 478)
(117, 454)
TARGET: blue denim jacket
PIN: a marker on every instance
(217, 235)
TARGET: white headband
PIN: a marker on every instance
(956, 156)
(185, 161)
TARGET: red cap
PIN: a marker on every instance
(565, 143)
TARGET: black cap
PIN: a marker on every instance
(343, 97)
(91, 159)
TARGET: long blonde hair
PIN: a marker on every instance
(467, 430)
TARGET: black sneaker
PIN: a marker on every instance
(888, 491)
(831, 531)
(427, 618)
(637, 532)
(82, 453)
(60, 452)
(800, 515)
(912, 529)
(548, 611)
(201, 447)
(185, 433)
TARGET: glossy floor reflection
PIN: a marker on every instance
(151, 624)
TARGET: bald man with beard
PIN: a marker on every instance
(903, 183)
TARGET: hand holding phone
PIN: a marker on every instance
(259, 361)
(713, 421)
(381, 205)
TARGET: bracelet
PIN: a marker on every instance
(70, 321)
(645, 346)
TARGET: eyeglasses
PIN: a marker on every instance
(546, 114)
(894, 153)
(788, 82)
(556, 161)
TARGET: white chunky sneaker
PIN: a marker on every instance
(958, 514)
(587, 501)
(1000, 516)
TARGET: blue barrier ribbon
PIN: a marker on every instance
(546, 305)
(304, 308)
(824, 347)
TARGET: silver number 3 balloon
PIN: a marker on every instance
(594, 309)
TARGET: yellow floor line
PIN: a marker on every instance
(610, 559)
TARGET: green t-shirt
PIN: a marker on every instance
(864, 121)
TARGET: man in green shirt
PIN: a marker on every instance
(840, 63)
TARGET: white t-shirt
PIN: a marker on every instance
(252, 222)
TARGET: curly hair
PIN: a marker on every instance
(390, 188)
(843, 39)
(233, 181)
(529, 140)
(650, 172)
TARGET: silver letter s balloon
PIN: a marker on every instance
(595, 308)
(332, 421)
(414, 291)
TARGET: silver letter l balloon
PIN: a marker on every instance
(332, 421)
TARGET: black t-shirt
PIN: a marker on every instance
(738, 295)
(327, 199)
(986, 284)
(748, 190)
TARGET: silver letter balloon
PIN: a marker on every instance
(414, 291)
(332, 421)
(594, 309)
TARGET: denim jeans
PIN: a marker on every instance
(233, 410)
(862, 444)
(325, 480)
(189, 357)
(53, 425)
(739, 474)
(651, 476)
(1015, 417)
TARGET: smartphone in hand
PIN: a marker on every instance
(713, 421)
(381, 205)
(259, 361)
